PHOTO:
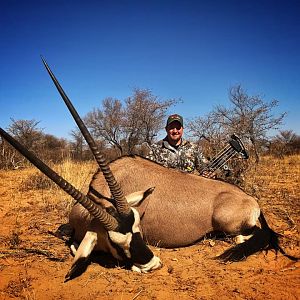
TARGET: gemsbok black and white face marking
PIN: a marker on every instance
(129, 239)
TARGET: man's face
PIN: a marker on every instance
(174, 132)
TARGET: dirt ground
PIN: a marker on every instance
(33, 262)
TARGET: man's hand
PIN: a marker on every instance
(208, 174)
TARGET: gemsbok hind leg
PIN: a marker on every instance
(242, 218)
(235, 217)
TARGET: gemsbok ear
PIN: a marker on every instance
(135, 199)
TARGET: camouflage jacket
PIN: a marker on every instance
(186, 157)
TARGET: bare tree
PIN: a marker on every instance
(79, 148)
(126, 126)
(77, 144)
(51, 148)
(144, 116)
(9, 158)
(108, 123)
(48, 147)
(248, 116)
(26, 132)
(286, 142)
(207, 131)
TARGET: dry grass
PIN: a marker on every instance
(20, 287)
(276, 184)
(31, 258)
(275, 179)
(36, 206)
(77, 173)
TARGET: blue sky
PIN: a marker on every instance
(194, 50)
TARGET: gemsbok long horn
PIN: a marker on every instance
(108, 221)
(116, 191)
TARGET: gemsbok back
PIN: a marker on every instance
(133, 201)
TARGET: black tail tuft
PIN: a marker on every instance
(263, 239)
(258, 242)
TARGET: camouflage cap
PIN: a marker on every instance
(173, 118)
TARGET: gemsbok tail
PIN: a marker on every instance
(263, 238)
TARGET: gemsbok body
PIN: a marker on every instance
(133, 201)
(183, 207)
